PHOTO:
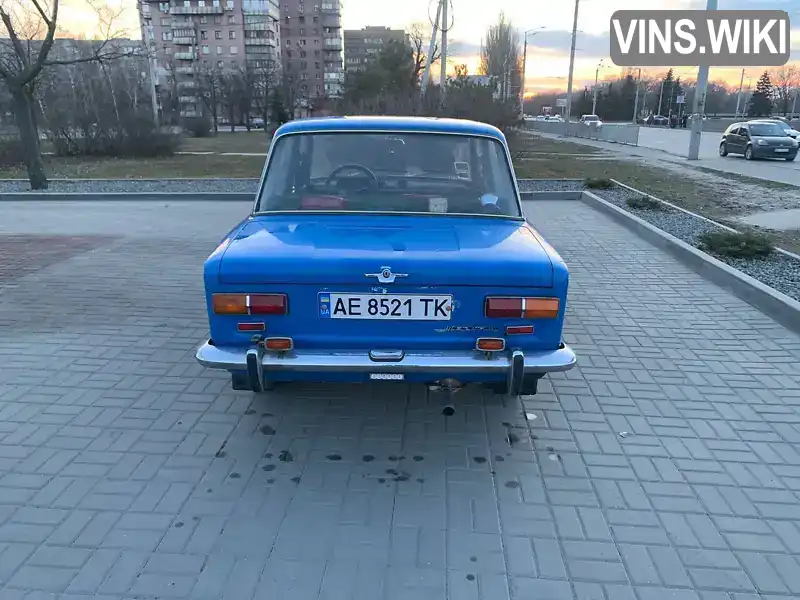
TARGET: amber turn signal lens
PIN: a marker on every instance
(540, 308)
(230, 304)
(490, 344)
(276, 343)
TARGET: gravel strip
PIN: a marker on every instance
(550, 185)
(778, 271)
(124, 186)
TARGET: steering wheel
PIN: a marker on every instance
(352, 167)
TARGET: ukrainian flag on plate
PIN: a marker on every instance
(325, 306)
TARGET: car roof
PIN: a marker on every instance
(382, 124)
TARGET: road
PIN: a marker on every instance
(665, 467)
(676, 142)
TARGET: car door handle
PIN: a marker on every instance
(386, 355)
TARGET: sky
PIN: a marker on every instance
(548, 50)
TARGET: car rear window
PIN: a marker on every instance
(389, 172)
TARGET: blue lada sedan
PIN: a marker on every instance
(387, 249)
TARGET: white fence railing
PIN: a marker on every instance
(618, 133)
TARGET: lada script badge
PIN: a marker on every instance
(386, 275)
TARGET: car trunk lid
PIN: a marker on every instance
(422, 251)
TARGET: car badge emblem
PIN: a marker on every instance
(386, 275)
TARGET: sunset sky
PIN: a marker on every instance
(548, 51)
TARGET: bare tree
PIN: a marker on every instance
(31, 27)
(419, 39)
(786, 80)
(265, 80)
(501, 55)
(210, 82)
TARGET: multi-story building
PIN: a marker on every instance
(188, 38)
(311, 48)
(363, 45)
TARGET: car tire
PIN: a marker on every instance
(748, 153)
(790, 158)
(723, 149)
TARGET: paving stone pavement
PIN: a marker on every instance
(665, 467)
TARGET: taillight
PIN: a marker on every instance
(522, 308)
(249, 304)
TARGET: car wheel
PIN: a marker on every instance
(748, 154)
(723, 149)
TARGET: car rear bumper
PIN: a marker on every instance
(513, 365)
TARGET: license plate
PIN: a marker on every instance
(388, 307)
(781, 150)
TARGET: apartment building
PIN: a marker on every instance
(311, 48)
(363, 45)
(190, 37)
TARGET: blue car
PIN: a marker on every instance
(387, 249)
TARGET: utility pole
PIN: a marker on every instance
(636, 100)
(594, 89)
(568, 108)
(660, 96)
(444, 28)
(699, 107)
(739, 95)
(431, 47)
(524, 62)
(794, 103)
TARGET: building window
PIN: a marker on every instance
(231, 20)
(302, 42)
(168, 49)
(165, 22)
(217, 35)
(201, 3)
(187, 4)
(220, 63)
(203, 20)
(231, 35)
(205, 50)
(228, 4)
(163, 7)
(234, 50)
(215, 3)
(316, 19)
(203, 35)
(316, 65)
(288, 43)
(302, 31)
(166, 36)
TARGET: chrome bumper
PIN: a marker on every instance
(514, 364)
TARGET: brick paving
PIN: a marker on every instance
(665, 467)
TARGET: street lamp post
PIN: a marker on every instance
(568, 108)
(594, 90)
(524, 61)
(636, 100)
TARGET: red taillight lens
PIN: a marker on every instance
(519, 329)
(251, 327)
(504, 307)
(522, 308)
(249, 304)
(268, 304)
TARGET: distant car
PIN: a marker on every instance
(758, 139)
(541, 118)
(591, 120)
(660, 120)
(389, 249)
(783, 124)
(556, 118)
